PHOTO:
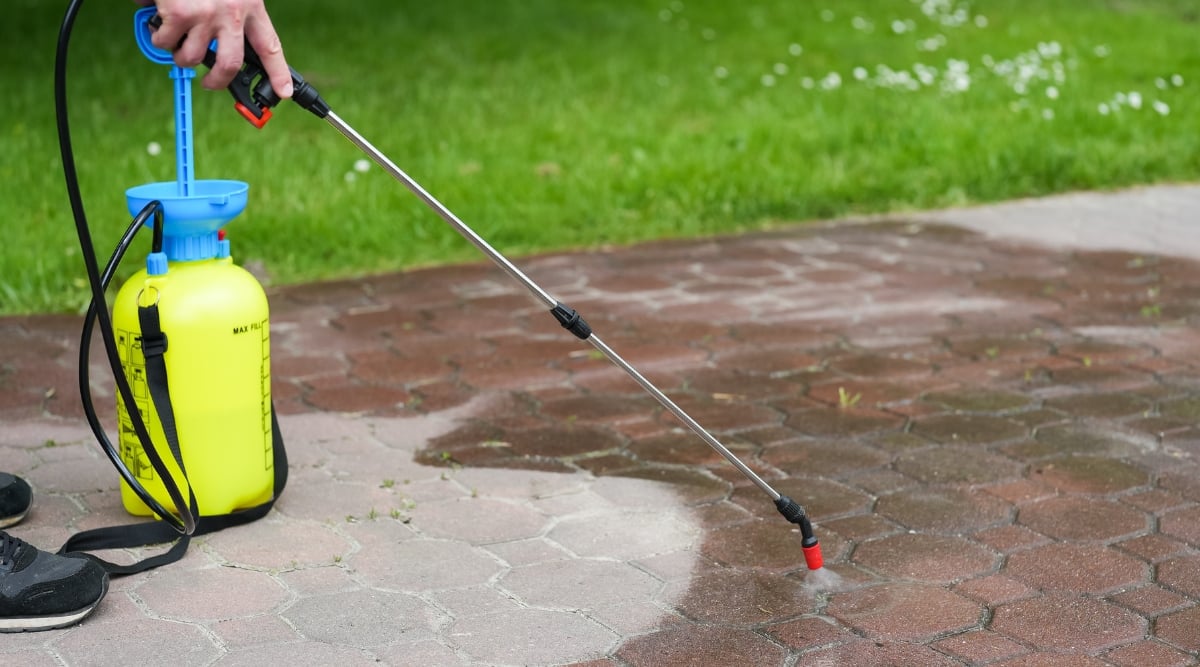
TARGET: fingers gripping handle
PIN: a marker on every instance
(251, 89)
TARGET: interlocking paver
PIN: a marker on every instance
(995, 436)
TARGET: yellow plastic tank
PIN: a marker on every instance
(215, 317)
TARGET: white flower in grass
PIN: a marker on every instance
(832, 81)
(708, 34)
(768, 80)
(860, 73)
(154, 148)
(1049, 50)
(361, 166)
(932, 44)
(1160, 83)
(1103, 109)
(780, 69)
(925, 74)
(1177, 80)
(720, 72)
(1102, 51)
(1161, 107)
(807, 83)
(827, 15)
(899, 27)
(795, 49)
(350, 177)
(1135, 100)
(861, 24)
(981, 21)
(1052, 92)
(1048, 114)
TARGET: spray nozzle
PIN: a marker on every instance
(793, 512)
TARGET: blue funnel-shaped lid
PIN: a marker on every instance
(190, 222)
(211, 204)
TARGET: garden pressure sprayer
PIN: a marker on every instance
(254, 99)
(189, 344)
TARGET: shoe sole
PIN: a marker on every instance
(13, 520)
(36, 623)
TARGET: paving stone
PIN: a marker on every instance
(863, 527)
(380, 618)
(931, 558)
(1084, 568)
(579, 584)
(1181, 574)
(810, 632)
(1149, 653)
(205, 595)
(1068, 622)
(691, 486)
(1058, 440)
(1021, 492)
(1077, 518)
(1088, 474)
(980, 647)
(428, 565)
(1153, 548)
(1007, 539)
(833, 459)
(1111, 406)
(956, 465)
(944, 511)
(1184, 524)
(964, 429)
(478, 520)
(689, 645)
(1150, 601)
(837, 422)
(626, 535)
(739, 598)
(279, 544)
(877, 653)
(994, 589)
(1181, 629)
(904, 612)
(979, 400)
(139, 642)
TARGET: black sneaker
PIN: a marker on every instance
(15, 499)
(42, 591)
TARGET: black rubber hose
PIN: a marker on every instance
(186, 521)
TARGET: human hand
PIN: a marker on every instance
(189, 26)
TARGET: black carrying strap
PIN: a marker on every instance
(158, 532)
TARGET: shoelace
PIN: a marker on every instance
(9, 546)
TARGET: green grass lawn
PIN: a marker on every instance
(550, 124)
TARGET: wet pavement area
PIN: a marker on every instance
(992, 421)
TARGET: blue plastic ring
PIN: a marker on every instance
(141, 32)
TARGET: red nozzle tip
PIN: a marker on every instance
(812, 556)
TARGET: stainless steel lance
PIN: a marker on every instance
(254, 99)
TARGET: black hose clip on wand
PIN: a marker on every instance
(254, 98)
